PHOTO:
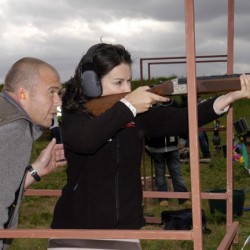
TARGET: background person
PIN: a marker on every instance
(202, 134)
(103, 189)
(204, 144)
(164, 152)
(28, 101)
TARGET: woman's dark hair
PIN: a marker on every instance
(105, 58)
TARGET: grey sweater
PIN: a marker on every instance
(17, 134)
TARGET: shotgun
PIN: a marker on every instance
(205, 85)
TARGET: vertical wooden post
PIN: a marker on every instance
(230, 54)
(193, 123)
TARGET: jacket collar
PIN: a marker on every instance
(15, 112)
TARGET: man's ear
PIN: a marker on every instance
(21, 96)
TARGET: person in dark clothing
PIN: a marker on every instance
(204, 144)
(164, 152)
(203, 138)
(202, 134)
(103, 189)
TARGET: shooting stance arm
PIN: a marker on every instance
(212, 84)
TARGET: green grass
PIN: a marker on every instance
(213, 176)
(37, 212)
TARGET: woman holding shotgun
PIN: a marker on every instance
(103, 189)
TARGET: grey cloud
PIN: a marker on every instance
(64, 50)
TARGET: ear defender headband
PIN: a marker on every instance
(90, 82)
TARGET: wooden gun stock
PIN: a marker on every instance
(210, 84)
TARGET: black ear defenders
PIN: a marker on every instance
(90, 82)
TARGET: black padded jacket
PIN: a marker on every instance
(103, 189)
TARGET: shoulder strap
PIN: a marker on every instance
(12, 207)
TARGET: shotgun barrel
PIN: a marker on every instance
(205, 85)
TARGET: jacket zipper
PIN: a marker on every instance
(116, 185)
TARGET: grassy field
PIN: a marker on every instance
(36, 212)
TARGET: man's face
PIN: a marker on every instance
(118, 80)
(43, 99)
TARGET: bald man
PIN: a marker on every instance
(28, 102)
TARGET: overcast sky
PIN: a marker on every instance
(61, 31)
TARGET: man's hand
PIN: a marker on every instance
(49, 159)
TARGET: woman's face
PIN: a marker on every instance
(118, 80)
